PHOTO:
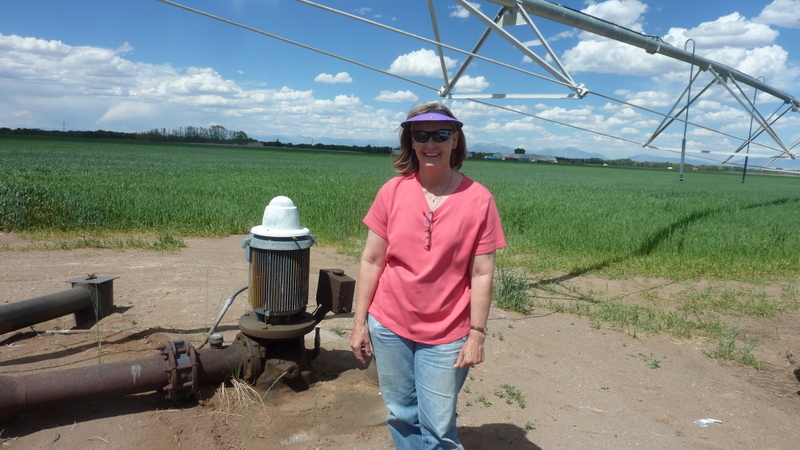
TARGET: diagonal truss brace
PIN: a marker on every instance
(748, 106)
(559, 73)
(758, 131)
(765, 124)
(670, 117)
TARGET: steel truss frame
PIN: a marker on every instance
(515, 12)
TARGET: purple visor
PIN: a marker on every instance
(434, 115)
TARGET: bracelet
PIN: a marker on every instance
(481, 329)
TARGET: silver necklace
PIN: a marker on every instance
(435, 199)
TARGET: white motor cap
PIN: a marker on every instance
(280, 220)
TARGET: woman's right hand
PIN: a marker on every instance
(360, 343)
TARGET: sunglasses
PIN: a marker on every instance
(438, 135)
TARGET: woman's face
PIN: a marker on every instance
(432, 154)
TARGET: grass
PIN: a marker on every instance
(98, 327)
(240, 395)
(557, 218)
(87, 188)
(712, 313)
(61, 241)
(511, 291)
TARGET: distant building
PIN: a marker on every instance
(538, 158)
(522, 157)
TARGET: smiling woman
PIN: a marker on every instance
(423, 309)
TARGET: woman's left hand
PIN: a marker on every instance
(472, 352)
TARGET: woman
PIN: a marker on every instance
(425, 280)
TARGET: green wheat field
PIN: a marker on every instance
(567, 218)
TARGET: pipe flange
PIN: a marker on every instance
(254, 364)
(182, 361)
(301, 325)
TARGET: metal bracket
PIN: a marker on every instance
(101, 292)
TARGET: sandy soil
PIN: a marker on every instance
(582, 387)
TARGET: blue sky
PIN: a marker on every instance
(132, 66)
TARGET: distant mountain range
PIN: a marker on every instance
(564, 152)
(570, 152)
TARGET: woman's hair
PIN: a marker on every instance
(406, 162)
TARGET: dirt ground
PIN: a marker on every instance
(582, 387)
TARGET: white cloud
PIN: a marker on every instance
(474, 113)
(43, 83)
(594, 53)
(769, 61)
(460, 12)
(396, 97)
(423, 62)
(341, 77)
(533, 43)
(197, 81)
(708, 105)
(528, 126)
(567, 115)
(732, 30)
(648, 99)
(124, 48)
(611, 107)
(721, 116)
(731, 40)
(56, 65)
(563, 35)
(608, 56)
(627, 113)
(469, 85)
(783, 13)
(33, 46)
(626, 13)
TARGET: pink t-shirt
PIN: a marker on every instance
(424, 294)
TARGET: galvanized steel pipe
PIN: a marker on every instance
(651, 44)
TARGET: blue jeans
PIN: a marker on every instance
(420, 387)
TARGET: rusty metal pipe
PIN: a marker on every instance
(91, 298)
(23, 314)
(60, 388)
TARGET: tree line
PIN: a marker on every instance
(320, 146)
(216, 134)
